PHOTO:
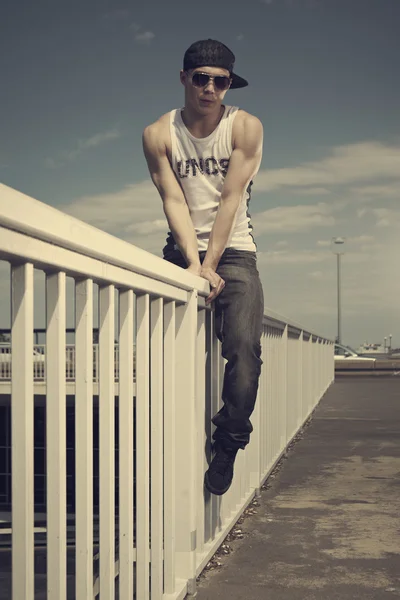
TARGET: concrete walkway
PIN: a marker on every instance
(328, 522)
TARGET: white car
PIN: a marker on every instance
(346, 353)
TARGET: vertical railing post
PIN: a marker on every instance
(209, 413)
(215, 405)
(253, 450)
(107, 442)
(142, 447)
(301, 412)
(201, 463)
(56, 437)
(285, 396)
(126, 433)
(319, 368)
(157, 448)
(84, 439)
(311, 374)
(22, 405)
(271, 404)
(186, 433)
(169, 447)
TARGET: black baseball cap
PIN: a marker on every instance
(210, 53)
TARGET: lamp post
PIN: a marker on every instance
(338, 249)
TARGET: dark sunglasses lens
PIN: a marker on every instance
(222, 83)
(200, 79)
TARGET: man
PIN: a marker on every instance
(202, 160)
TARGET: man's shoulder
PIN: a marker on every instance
(246, 126)
(245, 118)
(159, 125)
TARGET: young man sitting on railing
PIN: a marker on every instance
(202, 160)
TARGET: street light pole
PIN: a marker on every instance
(337, 248)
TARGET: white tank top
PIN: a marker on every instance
(200, 165)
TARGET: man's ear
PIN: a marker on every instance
(183, 77)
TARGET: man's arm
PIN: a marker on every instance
(244, 162)
(174, 203)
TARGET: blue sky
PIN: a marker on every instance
(81, 80)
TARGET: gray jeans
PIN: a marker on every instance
(239, 311)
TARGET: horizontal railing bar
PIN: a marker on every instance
(17, 247)
(279, 322)
(38, 220)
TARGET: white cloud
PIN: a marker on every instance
(134, 214)
(384, 217)
(283, 257)
(312, 191)
(82, 145)
(389, 190)
(147, 227)
(93, 142)
(140, 36)
(348, 164)
(115, 212)
(293, 218)
(136, 211)
(362, 239)
(144, 37)
(306, 257)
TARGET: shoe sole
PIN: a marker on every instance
(213, 490)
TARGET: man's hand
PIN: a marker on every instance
(217, 284)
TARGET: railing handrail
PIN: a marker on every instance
(36, 219)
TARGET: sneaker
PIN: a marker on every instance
(219, 476)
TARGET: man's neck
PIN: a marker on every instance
(202, 126)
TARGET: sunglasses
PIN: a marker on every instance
(221, 82)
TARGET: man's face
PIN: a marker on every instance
(207, 98)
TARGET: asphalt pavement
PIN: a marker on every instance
(327, 524)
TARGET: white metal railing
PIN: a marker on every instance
(39, 362)
(159, 548)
